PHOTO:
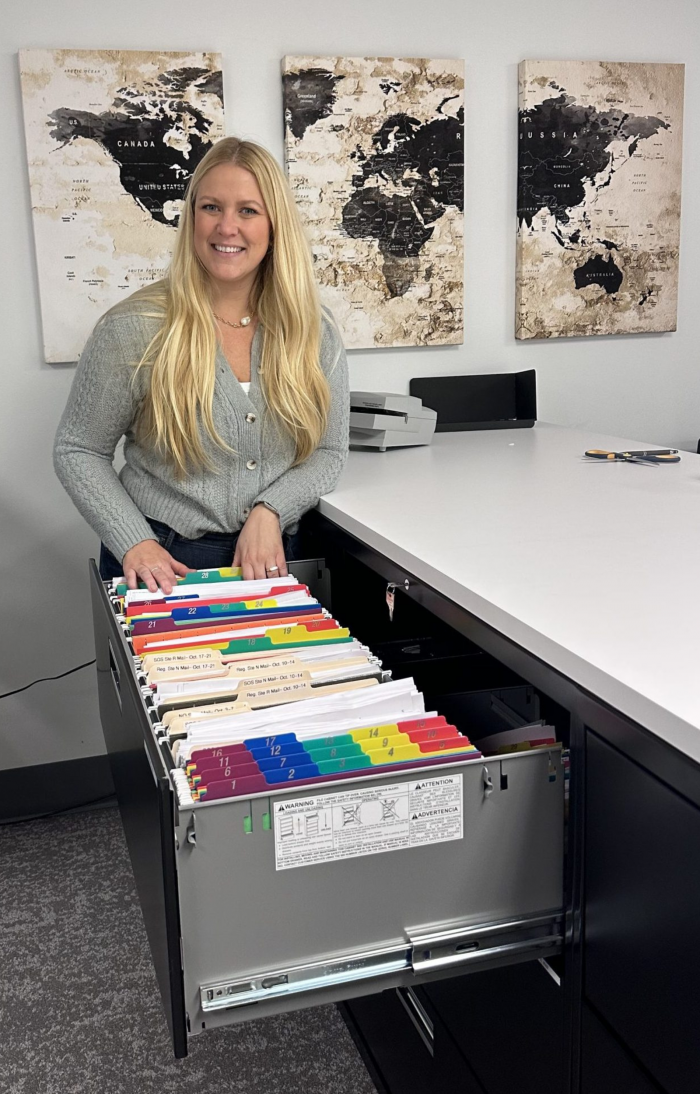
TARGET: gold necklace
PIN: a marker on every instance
(245, 321)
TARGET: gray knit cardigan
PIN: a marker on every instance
(102, 408)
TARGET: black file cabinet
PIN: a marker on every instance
(625, 1018)
(615, 1012)
(501, 1032)
(642, 957)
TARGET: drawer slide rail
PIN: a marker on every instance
(424, 952)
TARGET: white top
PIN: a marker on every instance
(592, 566)
(245, 384)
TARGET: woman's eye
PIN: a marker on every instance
(208, 206)
(247, 210)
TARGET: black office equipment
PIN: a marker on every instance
(505, 400)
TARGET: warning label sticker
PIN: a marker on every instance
(350, 823)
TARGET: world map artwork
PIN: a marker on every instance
(599, 196)
(112, 139)
(375, 158)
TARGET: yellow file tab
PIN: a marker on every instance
(374, 733)
(395, 754)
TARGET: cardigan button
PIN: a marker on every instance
(250, 418)
(251, 465)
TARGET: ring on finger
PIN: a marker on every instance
(271, 569)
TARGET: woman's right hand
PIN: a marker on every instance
(147, 561)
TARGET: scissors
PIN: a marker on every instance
(652, 457)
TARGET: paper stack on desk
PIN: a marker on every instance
(381, 420)
(256, 685)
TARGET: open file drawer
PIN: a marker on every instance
(252, 910)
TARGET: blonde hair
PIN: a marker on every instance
(181, 357)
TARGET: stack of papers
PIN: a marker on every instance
(520, 739)
(256, 685)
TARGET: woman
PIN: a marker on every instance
(228, 382)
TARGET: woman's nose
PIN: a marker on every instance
(229, 224)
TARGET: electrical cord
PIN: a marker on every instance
(43, 679)
(79, 807)
(109, 798)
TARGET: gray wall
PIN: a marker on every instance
(644, 386)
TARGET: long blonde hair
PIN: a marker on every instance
(181, 356)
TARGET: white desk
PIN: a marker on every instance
(593, 567)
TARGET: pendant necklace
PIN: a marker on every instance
(245, 321)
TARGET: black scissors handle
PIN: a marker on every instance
(655, 457)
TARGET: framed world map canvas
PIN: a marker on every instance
(599, 197)
(112, 139)
(374, 154)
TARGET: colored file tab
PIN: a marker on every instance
(197, 577)
(286, 752)
(209, 594)
(263, 779)
(339, 740)
(166, 624)
(327, 772)
(272, 638)
(440, 728)
(287, 748)
(343, 763)
(165, 605)
(216, 751)
(266, 604)
(334, 752)
(200, 577)
(265, 643)
(279, 640)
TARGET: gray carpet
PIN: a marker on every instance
(80, 1010)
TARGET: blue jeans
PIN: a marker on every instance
(208, 552)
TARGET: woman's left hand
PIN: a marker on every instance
(259, 550)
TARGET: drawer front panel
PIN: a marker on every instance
(397, 1055)
(606, 1068)
(245, 922)
(642, 909)
(146, 804)
(508, 1025)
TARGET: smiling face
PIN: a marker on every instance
(231, 227)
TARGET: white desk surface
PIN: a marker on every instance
(592, 566)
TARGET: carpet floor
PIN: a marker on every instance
(79, 1005)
